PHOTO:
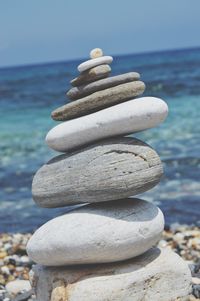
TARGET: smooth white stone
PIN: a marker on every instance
(95, 233)
(96, 52)
(122, 119)
(157, 275)
(17, 286)
(95, 62)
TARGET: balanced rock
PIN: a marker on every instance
(99, 100)
(96, 52)
(122, 119)
(108, 170)
(157, 275)
(91, 75)
(95, 62)
(95, 233)
(84, 90)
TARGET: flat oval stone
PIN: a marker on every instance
(99, 100)
(84, 90)
(157, 275)
(109, 170)
(96, 233)
(122, 119)
(91, 75)
(95, 62)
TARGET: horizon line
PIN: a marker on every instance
(35, 64)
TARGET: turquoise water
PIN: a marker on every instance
(29, 94)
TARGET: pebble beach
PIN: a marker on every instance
(16, 265)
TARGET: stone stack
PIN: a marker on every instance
(104, 250)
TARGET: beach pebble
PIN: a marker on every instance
(196, 280)
(196, 290)
(162, 243)
(7, 246)
(103, 232)
(5, 270)
(27, 296)
(157, 275)
(2, 290)
(122, 119)
(96, 52)
(24, 260)
(17, 286)
(91, 75)
(3, 254)
(98, 100)
(84, 90)
(95, 62)
(109, 170)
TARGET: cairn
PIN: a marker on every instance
(104, 250)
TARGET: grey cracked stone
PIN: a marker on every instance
(108, 170)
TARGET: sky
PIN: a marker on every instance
(39, 31)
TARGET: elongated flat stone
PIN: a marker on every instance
(96, 233)
(84, 90)
(109, 170)
(123, 119)
(91, 75)
(157, 275)
(95, 62)
(99, 100)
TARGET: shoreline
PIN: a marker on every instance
(15, 264)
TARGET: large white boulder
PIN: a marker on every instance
(157, 275)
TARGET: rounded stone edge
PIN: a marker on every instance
(94, 62)
(44, 284)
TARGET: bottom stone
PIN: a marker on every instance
(157, 275)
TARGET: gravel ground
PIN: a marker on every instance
(185, 241)
(15, 264)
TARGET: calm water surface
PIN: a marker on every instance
(29, 94)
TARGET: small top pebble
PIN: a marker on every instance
(96, 52)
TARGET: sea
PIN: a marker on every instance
(28, 94)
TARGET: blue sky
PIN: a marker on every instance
(49, 30)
